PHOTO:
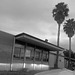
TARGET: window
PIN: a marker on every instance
(19, 51)
(45, 56)
(38, 55)
(32, 54)
(22, 53)
(29, 53)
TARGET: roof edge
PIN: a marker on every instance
(38, 39)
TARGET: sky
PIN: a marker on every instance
(34, 17)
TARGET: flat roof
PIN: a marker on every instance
(23, 37)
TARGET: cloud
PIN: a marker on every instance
(25, 9)
(33, 17)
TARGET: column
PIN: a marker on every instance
(34, 58)
(48, 59)
(24, 55)
(41, 59)
(12, 54)
(20, 53)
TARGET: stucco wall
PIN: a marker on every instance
(6, 41)
(61, 60)
(52, 58)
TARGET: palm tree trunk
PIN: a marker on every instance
(56, 62)
(69, 66)
(58, 38)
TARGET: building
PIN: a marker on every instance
(31, 52)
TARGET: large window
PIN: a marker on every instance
(38, 55)
(29, 53)
(45, 56)
(32, 54)
(19, 51)
(22, 53)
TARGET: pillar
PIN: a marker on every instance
(34, 58)
(41, 59)
(20, 53)
(48, 59)
(24, 55)
(12, 54)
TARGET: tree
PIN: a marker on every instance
(59, 13)
(69, 29)
(66, 54)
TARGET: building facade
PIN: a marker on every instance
(28, 51)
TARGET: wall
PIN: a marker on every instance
(61, 60)
(6, 41)
(52, 58)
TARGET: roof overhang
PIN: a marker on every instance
(23, 37)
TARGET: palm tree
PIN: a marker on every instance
(59, 13)
(69, 29)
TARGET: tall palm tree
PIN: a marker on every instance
(59, 13)
(69, 29)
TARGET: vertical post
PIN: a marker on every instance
(20, 53)
(48, 59)
(41, 59)
(12, 53)
(24, 55)
(34, 58)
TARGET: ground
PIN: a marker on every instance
(49, 72)
(20, 72)
(38, 72)
(57, 72)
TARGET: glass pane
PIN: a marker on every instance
(29, 53)
(45, 56)
(38, 55)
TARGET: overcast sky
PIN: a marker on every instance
(35, 18)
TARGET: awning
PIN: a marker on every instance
(23, 37)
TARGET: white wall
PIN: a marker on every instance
(52, 60)
(61, 62)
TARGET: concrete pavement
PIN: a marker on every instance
(57, 72)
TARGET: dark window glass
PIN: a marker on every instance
(45, 56)
(19, 51)
(32, 54)
(29, 53)
(16, 52)
(38, 55)
(22, 53)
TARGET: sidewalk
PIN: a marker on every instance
(57, 72)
